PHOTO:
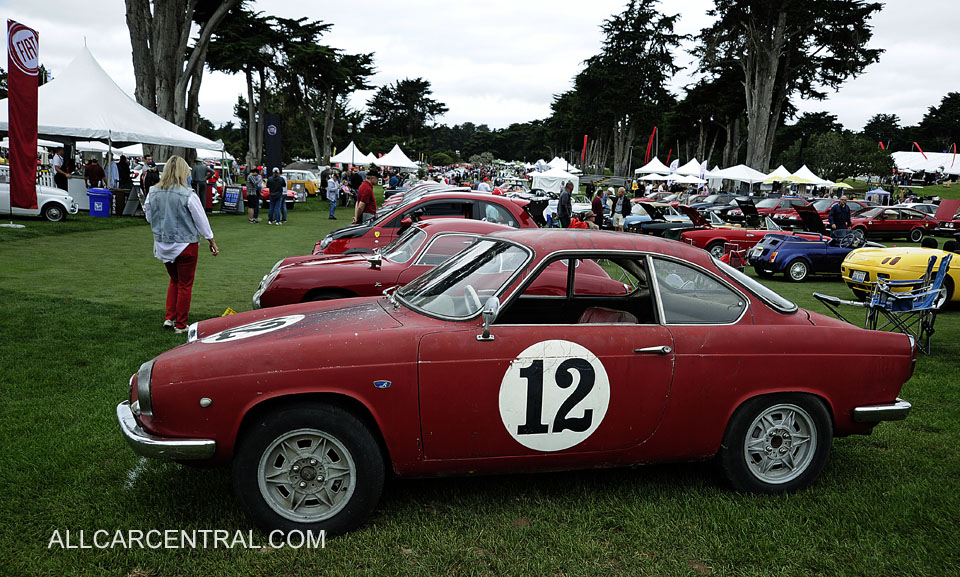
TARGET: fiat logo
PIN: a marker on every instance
(24, 48)
(272, 130)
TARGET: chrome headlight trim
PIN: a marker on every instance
(144, 377)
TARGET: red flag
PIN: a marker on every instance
(583, 155)
(23, 64)
(881, 146)
(920, 149)
(646, 157)
(668, 156)
(954, 155)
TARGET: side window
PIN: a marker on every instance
(907, 215)
(446, 208)
(785, 204)
(443, 247)
(492, 212)
(894, 214)
(689, 296)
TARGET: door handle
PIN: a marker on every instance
(662, 350)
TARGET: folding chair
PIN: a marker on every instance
(912, 312)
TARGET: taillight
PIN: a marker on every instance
(913, 354)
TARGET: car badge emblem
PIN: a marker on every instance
(382, 384)
(376, 234)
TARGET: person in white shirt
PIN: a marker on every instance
(178, 220)
(60, 175)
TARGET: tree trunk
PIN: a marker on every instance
(623, 135)
(308, 111)
(713, 144)
(261, 112)
(253, 159)
(760, 65)
(329, 112)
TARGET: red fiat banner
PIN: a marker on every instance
(23, 63)
(583, 155)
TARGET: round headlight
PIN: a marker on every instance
(325, 242)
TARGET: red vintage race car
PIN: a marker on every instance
(466, 370)
(364, 238)
(421, 247)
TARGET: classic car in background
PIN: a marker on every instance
(52, 203)
(861, 268)
(889, 223)
(470, 370)
(948, 220)
(381, 231)
(798, 255)
(307, 180)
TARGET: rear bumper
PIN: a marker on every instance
(875, 413)
(145, 444)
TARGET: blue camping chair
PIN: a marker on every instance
(912, 312)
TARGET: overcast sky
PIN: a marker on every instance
(499, 62)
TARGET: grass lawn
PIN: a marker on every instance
(84, 309)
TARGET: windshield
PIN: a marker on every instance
(765, 294)
(768, 203)
(458, 287)
(711, 199)
(405, 246)
(871, 212)
(822, 205)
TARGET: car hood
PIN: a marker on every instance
(350, 231)
(907, 258)
(290, 323)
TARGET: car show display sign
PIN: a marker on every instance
(231, 203)
(23, 65)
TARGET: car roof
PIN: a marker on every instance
(465, 225)
(545, 241)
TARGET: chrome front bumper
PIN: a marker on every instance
(148, 445)
(876, 413)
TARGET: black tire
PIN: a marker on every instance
(798, 270)
(794, 417)
(54, 212)
(716, 249)
(325, 505)
(916, 235)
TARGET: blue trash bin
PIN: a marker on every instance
(101, 201)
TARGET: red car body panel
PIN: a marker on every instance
(898, 222)
(440, 414)
(389, 227)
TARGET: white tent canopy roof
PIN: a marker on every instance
(691, 168)
(740, 172)
(946, 162)
(653, 166)
(689, 179)
(653, 177)
(395, 159)
(806, 176)
(563, 165)
(552, 179)
(349, 155)
(83, 102)
(777, 175)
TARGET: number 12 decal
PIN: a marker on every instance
(554, 395)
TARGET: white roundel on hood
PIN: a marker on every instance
(253, 329)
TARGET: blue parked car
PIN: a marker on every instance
(800, 254)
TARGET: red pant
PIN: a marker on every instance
(180, 289)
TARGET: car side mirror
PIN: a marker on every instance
(406, 222)
(490, 310)
(375, 260)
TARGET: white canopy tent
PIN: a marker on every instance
(691, 168)
(369, 159)
(552, 179)
(934, 162)
(778, 175)
(653, 177)
(806, 176)
(83, 102)
(563, 165)
(395, 159)
(654, 166)
(689, 179)
(349, 155)
(741, 173)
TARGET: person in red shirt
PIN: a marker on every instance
(366, 204)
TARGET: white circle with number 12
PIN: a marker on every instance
(554, 395)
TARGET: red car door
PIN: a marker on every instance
(562, 374)
(537, 389)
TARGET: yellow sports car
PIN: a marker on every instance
(862, 267)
